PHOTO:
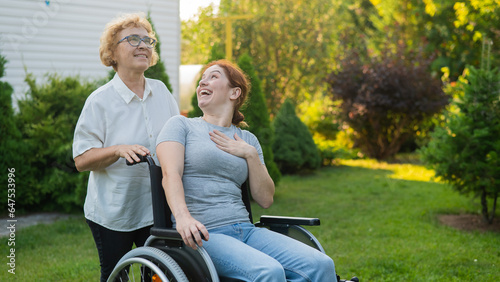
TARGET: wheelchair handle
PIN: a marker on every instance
(142, 159)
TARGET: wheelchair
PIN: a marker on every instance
(165, 257)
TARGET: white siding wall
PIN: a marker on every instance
(62, 36)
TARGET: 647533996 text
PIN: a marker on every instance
(11, 222)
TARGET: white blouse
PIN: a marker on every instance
(119, 196)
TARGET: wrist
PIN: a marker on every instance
(183, 214)
(116, 150)
(252, 154)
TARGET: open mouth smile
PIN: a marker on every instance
(205, 92)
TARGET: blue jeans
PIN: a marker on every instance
(249, 253)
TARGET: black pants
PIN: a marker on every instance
(113, 245)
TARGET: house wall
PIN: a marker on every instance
(62, 36)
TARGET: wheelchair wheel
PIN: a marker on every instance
(147, 264)
(301, 234)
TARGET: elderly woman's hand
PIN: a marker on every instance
(130, 152)
(236, 146)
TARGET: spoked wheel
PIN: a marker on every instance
(147, 264)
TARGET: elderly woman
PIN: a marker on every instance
(120, 120)
(204, 161)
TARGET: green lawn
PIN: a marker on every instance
(378, 222)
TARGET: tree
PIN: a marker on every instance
(454, 29)
(158, 71)
(450, 30)
(386, 99)
(294, 148)
(290, 42)
(198, 36)
(257, 117)
(466, 151)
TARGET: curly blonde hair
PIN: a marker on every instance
(109, 39)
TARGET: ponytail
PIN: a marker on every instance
(238, 118)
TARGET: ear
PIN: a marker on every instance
(235, 93)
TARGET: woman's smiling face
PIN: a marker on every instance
(130, 57)
(213, 87)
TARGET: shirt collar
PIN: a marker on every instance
(125, 92)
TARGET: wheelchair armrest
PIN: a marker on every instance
(268, 220)
(168, 233)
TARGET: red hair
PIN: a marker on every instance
(237, 78)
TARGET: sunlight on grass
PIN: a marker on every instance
(400, 171)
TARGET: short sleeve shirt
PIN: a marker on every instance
(119, 197)
(212, 178)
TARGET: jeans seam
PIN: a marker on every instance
(303, 275)
(235, 267)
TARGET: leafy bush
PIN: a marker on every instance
(331, 151)
(257, 117)
(47, 121)
(294, 148)
(322, 118)
(10, 135)
(10, 141)
(466, 151)
(386, 99)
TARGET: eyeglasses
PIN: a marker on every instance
(135, 40)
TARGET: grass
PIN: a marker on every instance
(378, 222)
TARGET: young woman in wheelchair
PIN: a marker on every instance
(204, 162)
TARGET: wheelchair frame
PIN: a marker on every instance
(165, 257)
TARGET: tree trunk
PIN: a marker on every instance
(484, 204)
(493, 209)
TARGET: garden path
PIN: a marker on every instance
(29, 220)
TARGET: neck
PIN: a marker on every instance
(219, 120)
(135, 81)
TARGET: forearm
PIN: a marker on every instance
(261, 183)
(174, 192)
(99, 158)
(96, 159)
(188, 227)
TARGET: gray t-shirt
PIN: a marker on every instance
(212, 178)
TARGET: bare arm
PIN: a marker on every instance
(261, 184)
(171, 157)
(99, 158)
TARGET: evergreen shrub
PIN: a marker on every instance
(158, 71)
(257, 116)
(294, 148)
(465, 152)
